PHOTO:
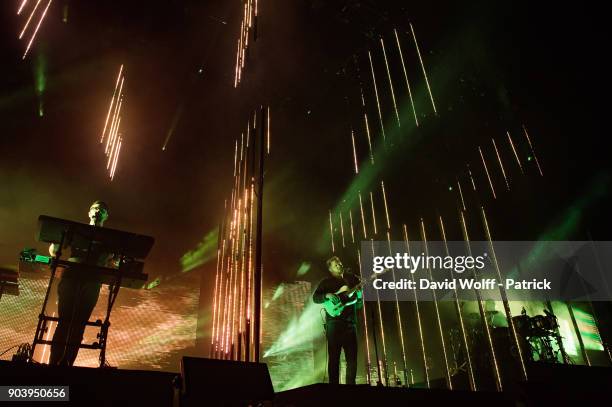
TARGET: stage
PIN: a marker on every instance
(548, 385)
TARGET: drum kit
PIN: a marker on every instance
(541, 337)
(538, 337)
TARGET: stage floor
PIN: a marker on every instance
(548, 385)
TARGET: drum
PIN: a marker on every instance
(521, 324)
(542, 325)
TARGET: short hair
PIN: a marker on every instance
(332, 259)
(102, 204)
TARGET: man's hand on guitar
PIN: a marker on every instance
(333, 298)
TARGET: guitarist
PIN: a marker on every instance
(341, 330)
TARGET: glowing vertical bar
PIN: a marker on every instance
(235, 157)
(116, 158)
(365, 231)
(471, 177)
(487, 171)
(418, 314)
(342, 229)
(461, 194)
(373, 213)
(25, 27)
(382, 332)
(397, 305)
(36, 30)
(382, 184)
(115, 116)
(504, 295)
(249, 12)
(481, 309)
(437, 310)
(110, 108)
(219, 304)
(268, 130)
(458, 308)
(236, 76)
(223, 306)
(23, 3)
(365, 326)
(416, 45)
(250, 273)
(382, 127)
(238, 215)
(399, 48)
(382, 43)
(244, 45)
(367, 126)
(242, 306)
(331, 232)
(214, 318)
(518, 160)
(228, 304)
(115, 142)
(112, 133)
(501, 165)
(352, 231)
(354, 152)
(533, 151)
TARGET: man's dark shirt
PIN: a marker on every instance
(94, 257)
(331, 285)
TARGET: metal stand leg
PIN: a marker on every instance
(41, 327)
(103, 335)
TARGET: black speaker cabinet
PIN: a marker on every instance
(224, 382)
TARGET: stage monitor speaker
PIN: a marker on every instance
(224, 382)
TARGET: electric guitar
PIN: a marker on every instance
(346, 296)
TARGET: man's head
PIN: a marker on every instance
(98, 213)
(334, 265)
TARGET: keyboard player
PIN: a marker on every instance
(77, 294)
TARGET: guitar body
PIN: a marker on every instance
(346, 297)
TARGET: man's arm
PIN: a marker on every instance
(321, 293)
(359, 303)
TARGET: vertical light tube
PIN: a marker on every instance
(382, 127)
(382, 44)
(535, 157)
(518, 160)
(466, 346)
(354, 152)
(487, 171)
(331, 232)
(437, 310)
(352, 231)
(418, 314)
(461, 194)
(373, 214)
(363, 222)
(399, 48)
(501, 165)
(365, 327)
(504, 295)
(367, 127)
(342, 229)
(481, 309)
(423, 67)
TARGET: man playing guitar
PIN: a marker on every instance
(341, 301)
